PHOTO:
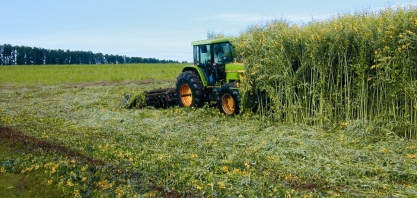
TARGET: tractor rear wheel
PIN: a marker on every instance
(190, 90)
(228, 101)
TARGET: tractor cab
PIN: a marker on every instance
(211, 56)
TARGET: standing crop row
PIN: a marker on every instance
(359, 66)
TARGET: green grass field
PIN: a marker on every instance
(64, 128)
(76, 74)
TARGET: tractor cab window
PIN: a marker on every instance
(222, 53)
(203, 55)
(196, 54)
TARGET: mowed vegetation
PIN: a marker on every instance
(78, 141)
(68, 130)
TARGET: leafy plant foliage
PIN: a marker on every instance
(351, 67)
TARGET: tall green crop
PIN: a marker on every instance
(351, 67)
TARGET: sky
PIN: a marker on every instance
(159, 29)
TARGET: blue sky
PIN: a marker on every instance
(154, 28)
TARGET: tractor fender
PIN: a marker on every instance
(199, 72)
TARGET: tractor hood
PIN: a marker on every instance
(234, 72)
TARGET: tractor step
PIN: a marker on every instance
(161, 98)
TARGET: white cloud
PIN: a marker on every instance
(243, 18)
(403, 4)
(256, 18)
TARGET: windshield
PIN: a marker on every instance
(223, 53)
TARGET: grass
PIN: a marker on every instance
(84, 144)
(76, 74)
(16, 184)
(28, 185)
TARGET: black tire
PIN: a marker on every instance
(228, 101)
(190, 91)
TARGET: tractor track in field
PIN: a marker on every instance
(13, 136)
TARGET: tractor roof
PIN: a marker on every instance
(211, 41)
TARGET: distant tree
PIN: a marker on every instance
(21, 55)
(38, 56)
(1, 55)
(211, 34)
(6, 54)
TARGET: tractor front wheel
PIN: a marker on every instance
(228, 101)
(190, 90)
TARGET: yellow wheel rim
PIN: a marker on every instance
(228, 104)
(186, 95)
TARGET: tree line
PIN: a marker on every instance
(22, 55)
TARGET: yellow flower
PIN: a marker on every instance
(103, 184)
(225, 169)
(120, 193)
(287, 177)
(385, 150)
(69, 183)
(236, 170)
(76, 193)
(221, 184)
(411, 156)
(247, 165)
(342, 138)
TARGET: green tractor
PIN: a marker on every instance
(214, 78)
